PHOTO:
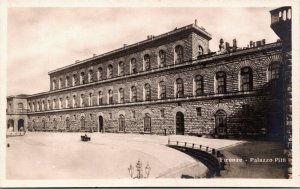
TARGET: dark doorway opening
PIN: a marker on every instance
(101, 124)
(179, 123)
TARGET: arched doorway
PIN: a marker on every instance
(147, 123)
(179, 123)
(10, 125)
(121, 123)
(101, 124)
(82, 123)
(20, 125)
(221, 123)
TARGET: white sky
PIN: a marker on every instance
(44, 39)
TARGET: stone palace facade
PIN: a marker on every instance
(166, 84)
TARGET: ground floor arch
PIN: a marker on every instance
(147, 123)
(221, 123)
(100, 124)
(82, 123)
(179, 123)
(121, 123)
(21, 125)
(10, 125)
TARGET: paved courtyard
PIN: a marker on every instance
(64, 156)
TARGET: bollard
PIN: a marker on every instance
(207, 149)
(165, 132)
(177, 143)
(200, 147)
(193, 146)
(185, 144)
(222, 164)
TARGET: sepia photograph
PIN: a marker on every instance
(122, 94)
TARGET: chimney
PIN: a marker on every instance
(251, 44)
(263, 41)
(221, 45)
(94, 55)
(196, 22)
(234, 45)
(124, 45)
(77, 61)
(258, 43)
(227, 46)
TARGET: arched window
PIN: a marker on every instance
(121, 95)
(100, 98)
(110, 96)
(178, 54)
(199, 85)
(90, 76)
(38, 106)
(179, 88)
(74, 80)
(147, 92)
(60, 103)
(200, 50)
(147, 65)
(82, 78)
(49, 105)
(221, 82)
(121, 68)
(246, 79)
(100, 73)
(67, 102)
(29, 105)
(133, 66)
(54, 104)
(43, 105)
(67, 81)
(90, 99)
(74, 101)
(162, 58)
(133, 94)
(33, 106)
(82, 100)
(54, 84)
(162, 90)
(60, 83)
(109, 71)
